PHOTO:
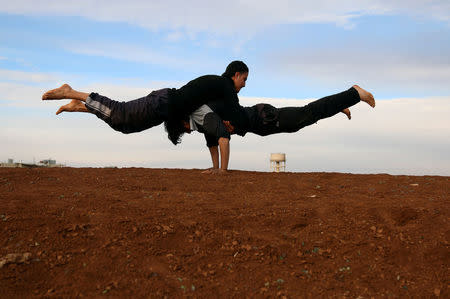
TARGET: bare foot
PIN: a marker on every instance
(215, 171)
(365, 96)
(73, 106)
(58, 93)
(346, 111)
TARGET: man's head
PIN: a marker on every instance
(238, 72)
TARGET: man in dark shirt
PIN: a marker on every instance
(264, 119)
(219, 89)
(168, 105)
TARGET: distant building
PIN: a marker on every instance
(48, 162)
(43, 163)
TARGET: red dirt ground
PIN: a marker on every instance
(173, 233)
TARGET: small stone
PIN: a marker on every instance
(15, 258)
(166, 228)
(247, 247)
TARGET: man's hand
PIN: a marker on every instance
(228, 126)
(187, 127)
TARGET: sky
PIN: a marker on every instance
(297, 51)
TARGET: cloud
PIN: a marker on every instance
(30, 77)
(227, 17)
(20, 95)
(130, 53)
(174, 36)
(382, 68)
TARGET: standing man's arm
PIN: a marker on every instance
(217, 139)
(215, 146)
(214, 151)
(224, 146)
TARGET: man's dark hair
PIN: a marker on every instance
(234, 67)
(175, 130)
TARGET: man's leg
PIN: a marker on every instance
(292, 119)
(126, 117)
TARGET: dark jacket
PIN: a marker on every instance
(185, 100)
(218, 90)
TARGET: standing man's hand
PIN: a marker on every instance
(228, 126)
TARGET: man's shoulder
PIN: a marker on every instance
(212, 84)
(210, 76)
(209, 79)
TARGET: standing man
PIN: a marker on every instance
(218, 118)
(264, 119)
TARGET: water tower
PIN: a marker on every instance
(278, 162)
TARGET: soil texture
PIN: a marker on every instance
(155, 233)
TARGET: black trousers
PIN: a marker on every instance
(133, 116)
(270, 120)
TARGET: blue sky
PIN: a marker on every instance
(295, 50)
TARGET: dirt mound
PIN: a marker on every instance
(158, 232)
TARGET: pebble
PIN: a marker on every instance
(14, 258)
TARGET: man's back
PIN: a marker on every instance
(188, 98)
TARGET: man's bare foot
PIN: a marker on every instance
(365, 96)
(346, 111)
(73, 106)
(215, 171)
(62, 92)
